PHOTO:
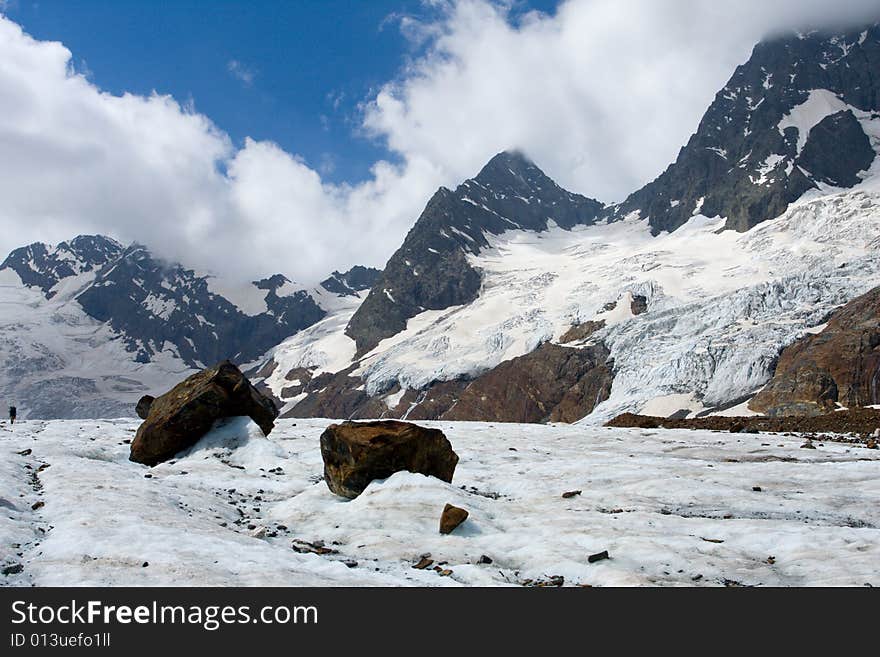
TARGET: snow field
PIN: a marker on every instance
(671, 507)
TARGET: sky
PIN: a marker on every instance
(249, 138)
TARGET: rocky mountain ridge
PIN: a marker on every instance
(69, 306)
(761, 188)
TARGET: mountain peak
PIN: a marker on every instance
(508, 166)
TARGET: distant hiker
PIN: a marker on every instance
(12, 414)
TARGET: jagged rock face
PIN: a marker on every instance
(356, 453)
(840, 365)
(553, 383)
(151, 304)
(355, 280)
(837, 150)
(748, 159)
(180, 417)
(41, 266)
(431, 271)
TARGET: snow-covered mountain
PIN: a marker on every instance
(89, 325)
(680, 298)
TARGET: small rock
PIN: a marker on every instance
(808, 445)
(599, 556)
(451, 518)
(757, 489)
(148, 476)
(350, 563)
(423, 563)
(38, 505)
(259, 532)
(145, 564)
(14, 569)
(571, 493)
(444, 573)
(771, 560)
(25, 452)
(484, 559)
(143, 406)
(871, 444)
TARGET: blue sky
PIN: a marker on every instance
(292, 72)
(601, 94)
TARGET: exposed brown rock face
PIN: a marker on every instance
(180, 417)
(143, 406)
(839, 365)
(580, 332)
(451, 518)
(356, 453)
(862, 421)
(553, 383)
(638, 305)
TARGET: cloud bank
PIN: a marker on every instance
(601, 95)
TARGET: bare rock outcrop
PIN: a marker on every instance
(839, 365)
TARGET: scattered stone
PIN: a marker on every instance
(599, 556)
(484, 559)
(145, 564)
(148, 476)
(356, 453)
(757, 489)
(712, 540)
(451, 518)
(350, 563)
(443, 572)
(871, 444)
(259, 532)
(14, 569)
(555, 580)
(38, 505)
(771, 560)
(423, 563)
(180, 417)
(808, 445)
(571, 493)
(25, 452)
(304, 547)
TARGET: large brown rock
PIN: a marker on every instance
(180, 417)
(356, 453)
(839, 365)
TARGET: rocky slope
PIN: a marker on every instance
(688, 315)
(838, 366)
(89, 324)
(791, 119)
(431, 271)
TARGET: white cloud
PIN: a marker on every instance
(602, 95)
(240, 72)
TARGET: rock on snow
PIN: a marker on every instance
(671, 508)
